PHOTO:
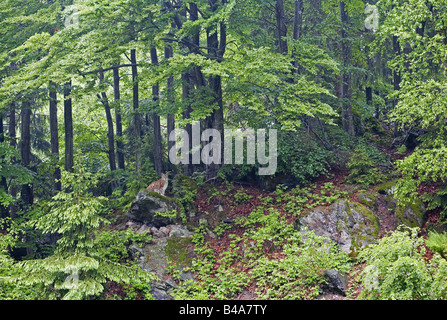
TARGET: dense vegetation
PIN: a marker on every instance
(91, 90)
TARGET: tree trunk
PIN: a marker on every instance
(54, 136)
(12, 143)
(396, 81)
(158, 164)
(171, 99)
(118, 120)
(26, 193)
(3, 182)
(188, 168)
(110, 131)
(281, 27)
(188, 80)
(136, 106)
(297, 29)
(347, 114)
(216, 51)
(68, 126)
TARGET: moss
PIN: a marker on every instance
(385, 187)
(158, 196)
(370, 217)
(411, 214)
(178, 250)
(368, 199)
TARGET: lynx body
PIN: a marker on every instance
(159, 186)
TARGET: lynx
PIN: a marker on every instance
(159, 186)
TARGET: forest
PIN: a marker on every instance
(119, 179)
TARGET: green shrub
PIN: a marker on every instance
(437, 242)
(301, 156)
(362, 168)
(79, 267)
(396, 269)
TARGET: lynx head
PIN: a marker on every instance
(164, 177)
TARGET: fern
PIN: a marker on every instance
(78, 269)
(437, 242)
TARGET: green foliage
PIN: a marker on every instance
(437, 200)
(437, 242)
(363, 170)
(396, 269)
(241, 197)
(79, 267)
(298, 272)
(9, 237)
(300, 155)
(13, 173)
(421, 97)
(282, 262)
(401, 150)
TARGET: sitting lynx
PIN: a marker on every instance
(159, 186)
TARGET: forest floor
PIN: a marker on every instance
(386, 217)
(225, 199)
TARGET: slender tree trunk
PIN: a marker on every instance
(110, 131)
(347, 113)
(171, 99)
(216, 51)
(158, 164)
(186, 114)
(25, 150)
(281, 27)
(297, 29)
(136, 106)
(54, 136)
(12, 143)
(396, 81)
(3, 182)
(68, 126)
(188, 80)
(118, 119)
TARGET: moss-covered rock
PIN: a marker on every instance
(385, 188)
(153, 209)
(411, 214)
(351, 225)
(368, 199)
(179, 250)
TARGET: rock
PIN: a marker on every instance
(171, 231)
(412, 214)
(148, 208)
(336, 281)
(158, 255)
(368, 199)
(144, 228)
(351, 225)
(135, 252)
(179, 231)
(386, 188)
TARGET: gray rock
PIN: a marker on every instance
(154, 258)
(349, 224)
(336, 281)
(148, 209)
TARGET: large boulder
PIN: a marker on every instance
(170, 244)
(351, 225)
(153, 209)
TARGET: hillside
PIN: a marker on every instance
(223, 150)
